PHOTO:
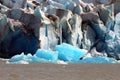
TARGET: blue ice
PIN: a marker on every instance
(47, 54)
(68, 52)
(64, 53)
(98, 60)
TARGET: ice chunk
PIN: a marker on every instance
(64, 54)
(47, 54)
(18, 59)
(23, 59)
(68, 52)
(18, 62)
(61, 62)
(41, 56)
(98, 60)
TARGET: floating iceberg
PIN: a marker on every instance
(68, 52)
(98, 60)
(41, 56)
(64, 54)
(48, 55)
(19, 59)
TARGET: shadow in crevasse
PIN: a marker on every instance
(19, 34)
